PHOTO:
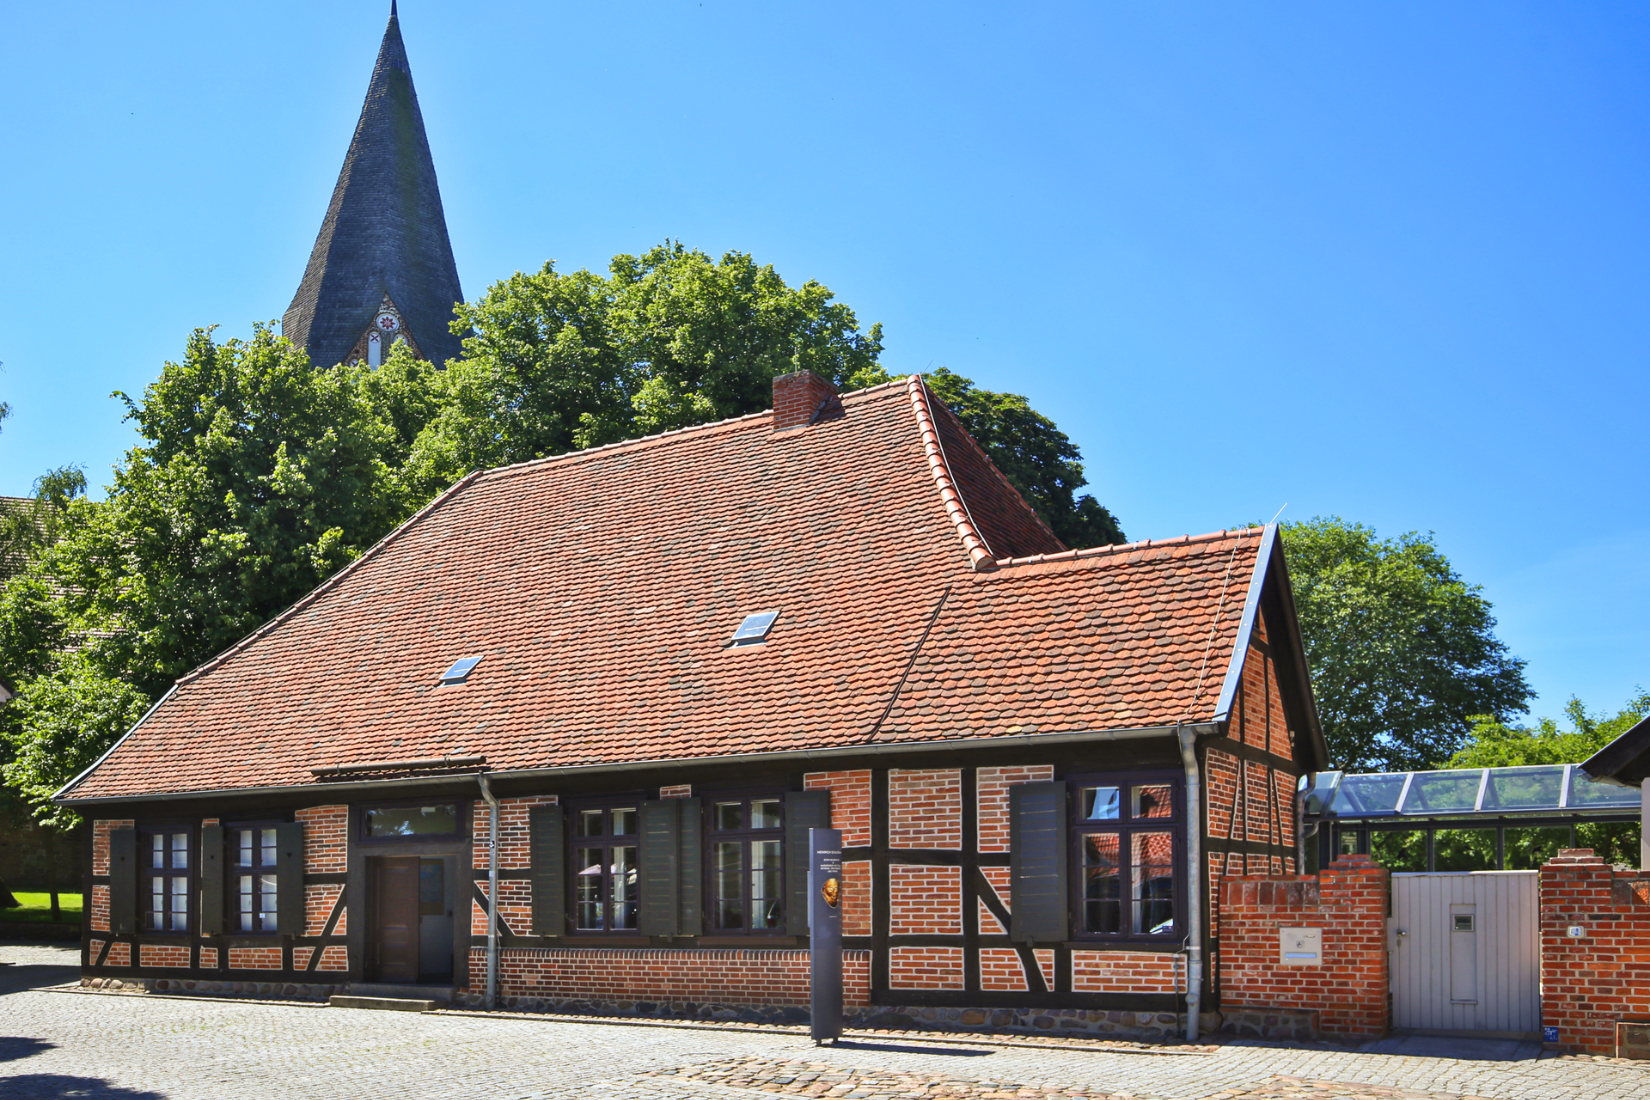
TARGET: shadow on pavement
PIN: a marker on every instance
(16, 978)
(53, 1086)
(897, 1048)
(15, 1047)
(1465, 1049)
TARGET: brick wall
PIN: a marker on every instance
(209, 958)
(1126, 972)
(100, 843)
(334, 957)
(326, 839)
(924, 901)
(254, 958)
(515, 905)
(319, 900)
(1349, 900)
(850, 803)
(515, 849)
(925, 968)
(991, 794)
(671, 975)
(163, 954)
(858, 905)
(1593, 982)
(925, 809)
(100, 907)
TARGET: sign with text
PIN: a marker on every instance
(825, 933)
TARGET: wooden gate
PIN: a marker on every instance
(1466, 953)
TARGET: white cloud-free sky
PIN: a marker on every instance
(1384, 261)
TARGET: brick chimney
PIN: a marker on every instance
(798, 398)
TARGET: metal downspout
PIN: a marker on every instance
(1194, 880)
(492, 892)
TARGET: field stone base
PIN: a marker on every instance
(1078, 1022)
(1633, 1039)
(264, 991)
(1283, 1024)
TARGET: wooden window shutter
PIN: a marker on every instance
(661, 859)
(690, 872)
(1037, 863)
(548, 854)
(289, 878)
(123, 873)
(804, 810)
(212, 880)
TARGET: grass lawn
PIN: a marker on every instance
(38, 906)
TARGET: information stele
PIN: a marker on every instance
(825, 933)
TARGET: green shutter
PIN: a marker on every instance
(661, 860)
(212, 880)
(123, 882)
(804, 810)
(1039, 904)
(549, 871)
(690, 874)
(289, 878)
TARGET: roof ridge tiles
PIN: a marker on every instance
(1123, 548)
(668, 433)
(330, 583)
(980, 556)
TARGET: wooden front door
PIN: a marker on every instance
(395, 919)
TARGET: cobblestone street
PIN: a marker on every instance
(59, 1044)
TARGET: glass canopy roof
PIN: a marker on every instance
(1544, 789)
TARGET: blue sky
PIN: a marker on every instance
(1385, 261)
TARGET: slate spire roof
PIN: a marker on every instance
(384, 232)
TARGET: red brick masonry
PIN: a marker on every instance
(1349, 901)
(1596, 986)
(675, 976)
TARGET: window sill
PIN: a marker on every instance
(1157, 945)
(598, 939)
(755, 939)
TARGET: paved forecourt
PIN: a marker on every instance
(57, 1044)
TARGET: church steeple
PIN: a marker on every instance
(382, 266)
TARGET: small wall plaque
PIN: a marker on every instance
(1300, 947)
(1576, 932)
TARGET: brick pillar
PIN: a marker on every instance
(1597, 980)
(797, 397)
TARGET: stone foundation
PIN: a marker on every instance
(1633, 1039)
(1282, 1024)
(285, 991)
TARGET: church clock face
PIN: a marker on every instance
(387, 322)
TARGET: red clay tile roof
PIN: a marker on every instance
(601, 588)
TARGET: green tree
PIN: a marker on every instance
(1402, 651)
(1037, 457)
(29, 527)
(257, 478)
(671, 338)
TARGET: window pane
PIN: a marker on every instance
(1152, 888)
(157, 904)
(624, 886)
(159, 851)
(730, 816)
(587, 888)
(1156, 800)
(395, 821)
(1100, 804)
(180, 850)
(624, 822)
(244, 909)
(266, 907)
(765, 813)
(268, 847)
(1101, 884)
(590, 823)
(766, 891)
(729, 863)
(243, 847)
(180, 903)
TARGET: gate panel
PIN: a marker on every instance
(1466, 952)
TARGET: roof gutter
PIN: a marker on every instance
(1033, 740)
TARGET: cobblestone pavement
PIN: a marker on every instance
(144, 1047)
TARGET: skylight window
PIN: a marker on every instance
(460, 671)
(754, 630)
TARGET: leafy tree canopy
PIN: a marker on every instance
(1403, 653)
(1493, 743)
(257, 477)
